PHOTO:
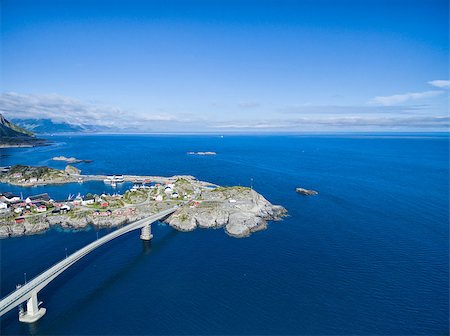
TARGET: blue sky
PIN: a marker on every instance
(228, 65)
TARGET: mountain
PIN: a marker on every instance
(10, 130)
(47, 126)
(12, 135)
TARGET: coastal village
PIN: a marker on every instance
(240, 210)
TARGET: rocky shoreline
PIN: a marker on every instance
(240, 211)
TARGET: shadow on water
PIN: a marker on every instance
(148, 248)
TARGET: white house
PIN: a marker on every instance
(41, 208)
(88, 201)
(65, 207)
(10, 198)
(159, 198)
(3, 205)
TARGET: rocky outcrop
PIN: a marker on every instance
(201, 153)
(237, 230)
(241, 211)
(69, 159)
(79, 220)
(306, 192)
(71, 170)
(29, 176)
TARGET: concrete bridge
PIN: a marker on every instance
(28, 292)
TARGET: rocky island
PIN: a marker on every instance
(201, 153)
(239, 210)
(306, 192)
(69, 159)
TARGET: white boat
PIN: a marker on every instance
(114, 179)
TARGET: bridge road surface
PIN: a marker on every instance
(25, 292)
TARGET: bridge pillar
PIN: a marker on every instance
(33, 312)
(146, 232)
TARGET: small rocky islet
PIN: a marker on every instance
(240, 211)
(306, 192)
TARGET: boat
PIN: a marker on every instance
(114, 179)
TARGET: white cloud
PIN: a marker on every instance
(351, 109)
(293, 118)
(440, 83)
(403, 98)
(65, 109)
(340, 123)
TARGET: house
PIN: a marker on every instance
(175, 195)
(3, 205)
(41, 208)
(20, 220)
(18, 210)
(104, 204)
(64, 208)
(159, 198)
(9, 197)
(43, 198)
(88, 200)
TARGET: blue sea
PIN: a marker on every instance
(368, 255)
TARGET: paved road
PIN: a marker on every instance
(35, 285)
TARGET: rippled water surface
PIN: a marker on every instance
(368, 255)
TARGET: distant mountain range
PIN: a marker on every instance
(47, 126)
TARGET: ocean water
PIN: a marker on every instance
(368, 255)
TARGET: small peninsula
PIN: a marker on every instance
(240, 211)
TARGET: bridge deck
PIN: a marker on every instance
(36, 284)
